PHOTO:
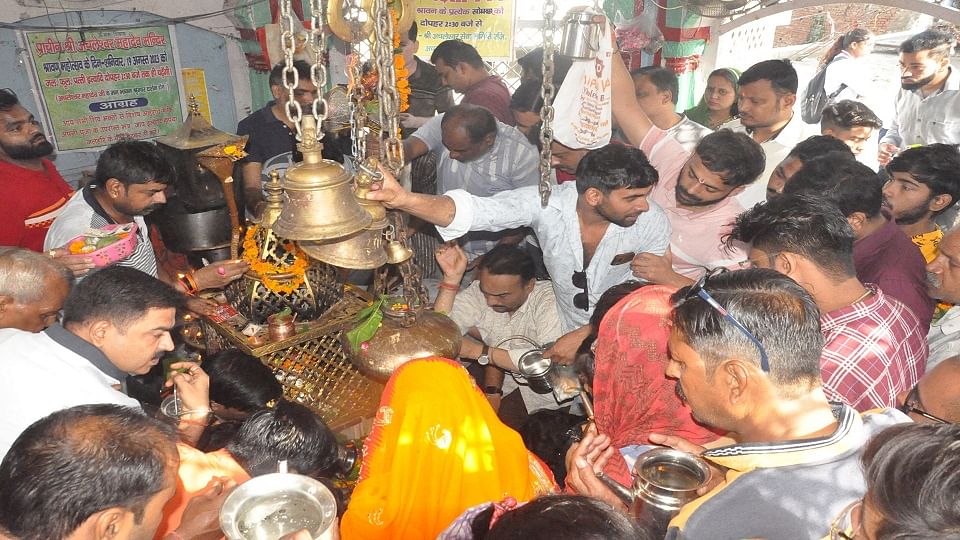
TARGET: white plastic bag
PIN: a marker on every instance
(582, 105)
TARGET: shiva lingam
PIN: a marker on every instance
(281, 275)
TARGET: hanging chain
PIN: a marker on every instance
(547, 93)
(391, 148)
(318, 71)
(358, 113)
(290, 76)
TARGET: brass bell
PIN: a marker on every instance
(397, 252)
(361, 251)
(319, 203)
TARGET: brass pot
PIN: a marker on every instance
(428, 334)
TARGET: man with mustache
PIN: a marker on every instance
(928, 103)
(697, 190)
(792, 459)
(130, 181)
(40, 191)
(768, 91)
(943, 275)
(117, 322)
(504, 300)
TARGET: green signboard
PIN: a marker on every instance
(101, 86)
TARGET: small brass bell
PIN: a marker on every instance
(397, 252)
(319, 203)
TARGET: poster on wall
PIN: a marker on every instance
(195, 91)
(485, 24)
(101, 86)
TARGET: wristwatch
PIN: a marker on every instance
(492, 390)
(484, 357)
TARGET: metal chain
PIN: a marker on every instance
(318, 71)
(391, 151)
(547, 93)
(358, 113)
(291, 78)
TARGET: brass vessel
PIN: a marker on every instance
(403, 337)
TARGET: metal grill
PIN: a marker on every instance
(311, 365)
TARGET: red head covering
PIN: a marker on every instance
(632, 396)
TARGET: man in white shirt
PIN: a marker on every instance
(590, 231)
(505, 300)
(478, 154)
(657, 91)
(928, 103)
(768, 91)
(116, 322)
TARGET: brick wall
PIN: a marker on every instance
(809, 25)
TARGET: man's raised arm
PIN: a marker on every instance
(436, 209)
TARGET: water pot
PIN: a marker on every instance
(582, 31)
(664, 480)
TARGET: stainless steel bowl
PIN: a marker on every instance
(273, 505)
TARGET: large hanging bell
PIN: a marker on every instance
(319, 203)
(361, 251)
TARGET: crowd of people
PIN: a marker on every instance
(780, 298)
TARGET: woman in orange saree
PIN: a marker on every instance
(436, 449)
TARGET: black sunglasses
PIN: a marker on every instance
(912, 405)
(698, 290)
(580, 300)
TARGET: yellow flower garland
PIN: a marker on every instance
(264, 269)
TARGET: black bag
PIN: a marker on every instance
(815, 98)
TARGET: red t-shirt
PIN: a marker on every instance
(34, 199)
(492, 94)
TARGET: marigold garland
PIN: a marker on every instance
(265, 269)
(399, 68)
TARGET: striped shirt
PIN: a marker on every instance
(874, 350)
(511, 162)
(83, 212)
(784, 489)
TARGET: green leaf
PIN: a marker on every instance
(365, 330)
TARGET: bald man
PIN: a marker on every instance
(936, 397)
(32, 289)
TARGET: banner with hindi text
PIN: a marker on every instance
(486, 24)
(101, 86)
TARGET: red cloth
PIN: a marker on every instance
(632, 396)
(492, 94)
(34, 199)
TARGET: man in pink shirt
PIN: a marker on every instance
(462, 69)
(696, 190)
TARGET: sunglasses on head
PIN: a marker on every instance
(698, 290)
